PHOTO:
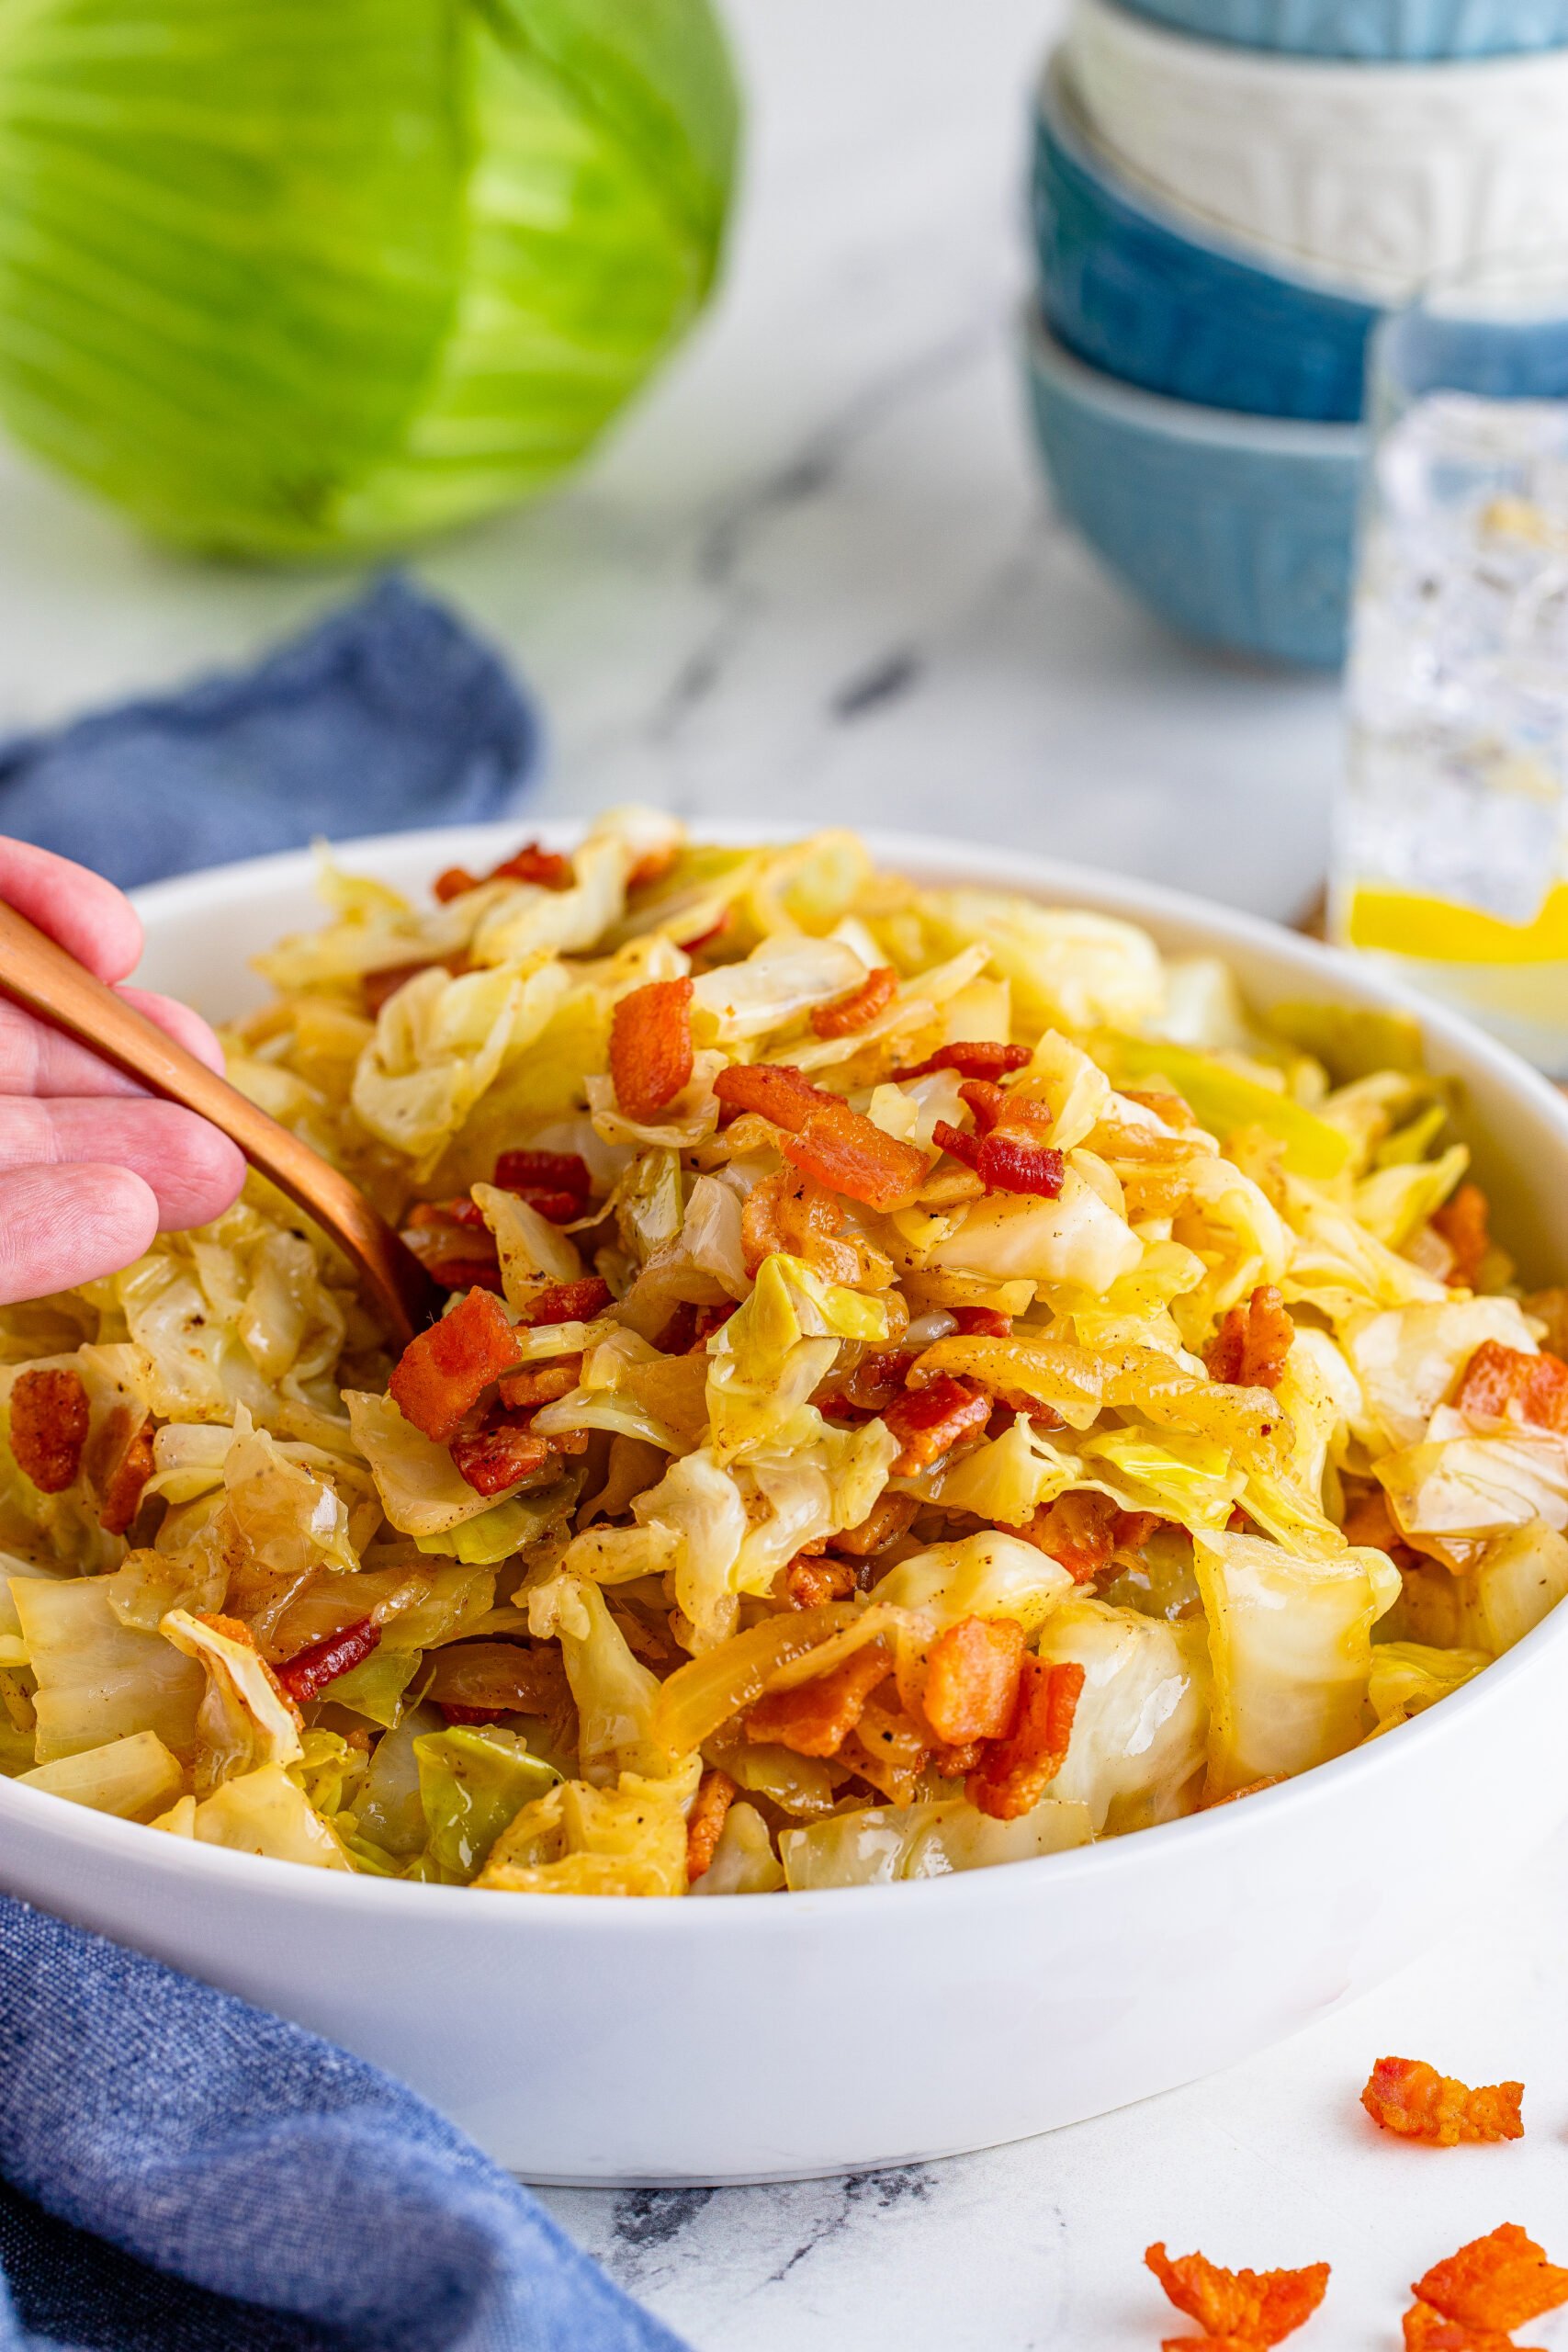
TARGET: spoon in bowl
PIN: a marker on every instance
(38, 974)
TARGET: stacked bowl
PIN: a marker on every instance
(1226, 195)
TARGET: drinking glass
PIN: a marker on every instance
(1450, 858)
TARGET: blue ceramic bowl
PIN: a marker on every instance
(1152, 300)
(1411, 30)
(1237, 531)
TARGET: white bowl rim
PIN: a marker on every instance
(1175, 420)
(1205, 58)
(1057, 881)
(1061, 112)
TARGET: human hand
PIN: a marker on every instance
(91, 1167)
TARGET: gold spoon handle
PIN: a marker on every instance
(36, 973)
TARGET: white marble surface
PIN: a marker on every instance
(814, 573)
(814, 577)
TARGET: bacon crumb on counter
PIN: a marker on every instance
(1499, 2282)
(1408, 2096)
(650, 1047)
(704, 1823)
(1256, 2308)
(1251, 1347)
(442, 1372)
(49, 1426)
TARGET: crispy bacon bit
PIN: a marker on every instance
(1498, 2281)
(49, 1426)
(1427, 2330)
(540, 1384)
(1006, 1151)
(971, 1058)
(568, 1302)
(1077, 1531)
(546, 867)
(501, 1455)
(453, 1243)
(119, 1463)
(930, 1421)
(889, 1516)
(1408, 2096)
(477, 1681)
(1504, 1384)
(811, 1579)
(1465, 1225)
(1013, 1771)
(840, 1147)
(814, 1718)
(874, 1384)
(306, 1675)
(1007, 1165)
(544, 1172)
(442, 1372)
(859, 1008)
(1253, 2307)
(650, 1047)
(972, 1680)
(1253, 1342)
(788, 1212)
(982, 1323)
(462, 1211)
(1370, 1524)
(715, 1794)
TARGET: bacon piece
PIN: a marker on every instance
(538, 1385)
(1371, 1523)
(982, 1323)
(1251, 1347)
(546, 867)
(462, 1210)
(576, 1302)
(811, 1579)
(650, 1047)
(454, 1272)
(119, 1463)
(1465, 1224)
(1077, 1531)
(814, 1718)
(840, 1147)
(973, 1057)
(859, 1007)
(1502, 1383)
(787, 1212)
(1013, 1771)
(1255, 2307)
(1408, 2096)
(874, 1384)
(501, 1454)
(972, 1680)
(1008, 1165)
(544, 1172)
(442, 1372)
(715, 1794)
(307, 1674)
(49, 1426)
(453, 1243)
(1498, 2281)
(1007, 1150)
(1427, 2330)
(929, 1423)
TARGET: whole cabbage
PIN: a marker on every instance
(295, 276)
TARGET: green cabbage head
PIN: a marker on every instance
(293, 275)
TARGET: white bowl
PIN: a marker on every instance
(1376, 176)
(631, 2042)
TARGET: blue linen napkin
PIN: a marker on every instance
(387, 715)
(183, 2173)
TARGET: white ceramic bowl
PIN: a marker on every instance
(598, 2040)
(1377, 176)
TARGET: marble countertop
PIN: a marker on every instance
(814, 577)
